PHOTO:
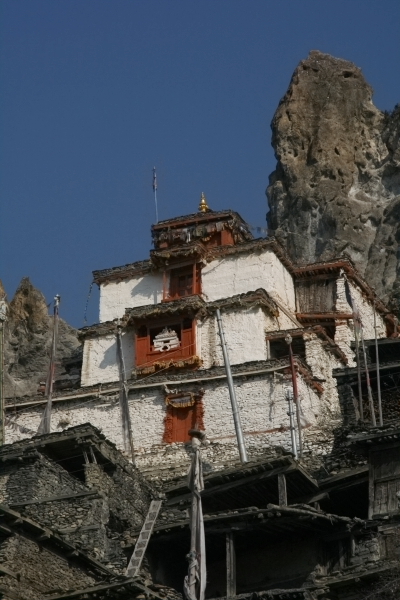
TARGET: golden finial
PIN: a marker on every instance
(203, 206)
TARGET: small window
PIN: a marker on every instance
(184, 412)
(184, 281)
(165, 341)
(183, 419)
(181, 282)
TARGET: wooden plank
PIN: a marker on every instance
(230, 566)
(392, 500)
(282, 491)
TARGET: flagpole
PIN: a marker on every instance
(155, 191)
(45, 424)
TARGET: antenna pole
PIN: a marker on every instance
(155, 191)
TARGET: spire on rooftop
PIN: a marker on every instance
(203, 206)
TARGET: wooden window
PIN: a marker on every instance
(384, 473)
(179, 420)
(165, 341)
(183, 419)
(184, 281)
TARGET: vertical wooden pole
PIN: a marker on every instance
(378, 376)
(371, 488)
(194, 279)
(360, 398)
(282, 491)
(164, 290)
(230, 566)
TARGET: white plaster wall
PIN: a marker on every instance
(321, 363)
(263, 405)
(242, 273)
(115, 297)
(345, 329)
(244, 334)
(99, 364)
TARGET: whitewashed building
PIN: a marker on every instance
(164, 308)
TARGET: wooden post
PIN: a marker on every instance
(165, 293)
(282, 492)
(194, 279)
(371, 487)
(230, 566)
(360, 398)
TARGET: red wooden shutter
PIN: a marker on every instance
(187, 343)
(142, 342)
(182, 420)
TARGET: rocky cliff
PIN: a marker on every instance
(27, 344)
(336, 187)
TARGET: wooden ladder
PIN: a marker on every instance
(143, 539)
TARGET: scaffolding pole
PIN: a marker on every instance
(288, 340)
(378, 375)
(232, 393)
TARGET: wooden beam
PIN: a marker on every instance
(230, 565)
(242, 481)
(325, 315)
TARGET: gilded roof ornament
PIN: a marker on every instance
(203, 206)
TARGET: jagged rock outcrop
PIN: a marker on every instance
(336, 187)
(27, 343)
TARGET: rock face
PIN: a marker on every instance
(27, 342)
(336, 187)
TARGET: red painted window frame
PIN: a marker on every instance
(172, 432)
(173, 289)
(145, 355)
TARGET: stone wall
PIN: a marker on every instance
(321, 363)
(93, 514)
(37, 570)
(37, 477)
(262, 400)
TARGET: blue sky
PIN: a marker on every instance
(94, 93)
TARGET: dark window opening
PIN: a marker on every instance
(183, 282)
(280, 349)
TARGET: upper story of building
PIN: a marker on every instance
(211, 254)
(166, 304)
